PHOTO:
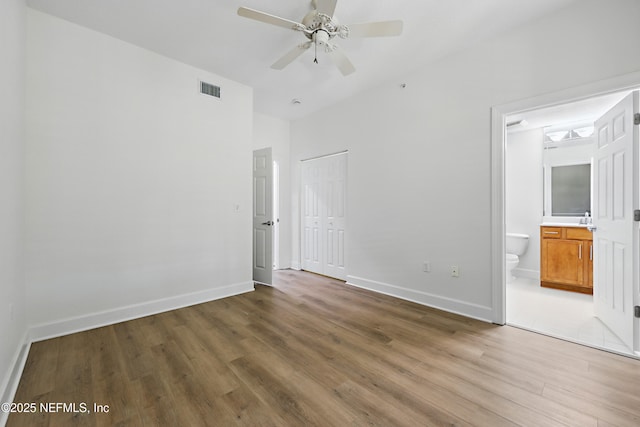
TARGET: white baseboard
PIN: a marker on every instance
(526, 274)
(446, 304)
(295, 265)
(96, 320)
(10, 384)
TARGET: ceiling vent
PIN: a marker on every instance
(209, 89)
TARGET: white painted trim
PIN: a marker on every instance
(11, 381)
(109, 317)
(324, 156)
(450, 305)
(295, 265)
(498, 115)
(498, 228)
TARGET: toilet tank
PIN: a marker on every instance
(516, 243)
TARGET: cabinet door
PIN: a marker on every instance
(589, 263)
(563, 261)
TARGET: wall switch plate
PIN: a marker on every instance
(426, 267)
(455, 271)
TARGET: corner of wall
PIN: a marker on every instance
(12, 380)
(450, 305)
(122, 314)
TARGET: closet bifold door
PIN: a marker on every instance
(324, 183)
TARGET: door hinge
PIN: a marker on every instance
(636, 119)
(636, 311)
(636, 215)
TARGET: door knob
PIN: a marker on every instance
(591, 227)
(268, 223)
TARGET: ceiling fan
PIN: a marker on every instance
(320, 26)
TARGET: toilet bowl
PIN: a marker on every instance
(512, 262)
(516, 245)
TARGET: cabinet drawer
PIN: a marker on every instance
(577, 233)
(551, 232)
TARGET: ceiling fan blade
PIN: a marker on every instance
(290, 56)
(341, 61)
(328, 7)
(269, 19)
(376, 29)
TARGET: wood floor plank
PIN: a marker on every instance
(311, 350)
(597, 408)
(275, 392)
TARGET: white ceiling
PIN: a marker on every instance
(209, 34)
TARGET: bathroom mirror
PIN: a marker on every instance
(567, 180)
(570, 190)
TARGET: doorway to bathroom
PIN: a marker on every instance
(536, 142)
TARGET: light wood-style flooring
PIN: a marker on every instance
(313, 351)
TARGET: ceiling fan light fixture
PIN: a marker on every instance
(321, 37)
(319, 26)
(342, 31)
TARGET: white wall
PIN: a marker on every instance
(132, 180)
(12, 296)
(523, 194)
(274, 132)
(420, 157)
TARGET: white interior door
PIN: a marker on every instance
(324, 215)
(262, 216)
(334, 217)
(311, 237)
(614, 239)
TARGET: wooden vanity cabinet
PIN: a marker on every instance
(566, 258)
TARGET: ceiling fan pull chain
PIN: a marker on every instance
(315, 46)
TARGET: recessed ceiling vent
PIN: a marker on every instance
(209, 89)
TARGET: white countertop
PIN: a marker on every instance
(563, 224)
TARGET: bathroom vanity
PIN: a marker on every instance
(566, 258)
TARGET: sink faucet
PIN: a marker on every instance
(586, 220)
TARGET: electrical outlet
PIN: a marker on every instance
(426, 267)
(455, 271)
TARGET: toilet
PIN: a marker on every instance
(516, 246)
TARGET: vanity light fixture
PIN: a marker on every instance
(558, 135)
(574, 133)
(584, 132)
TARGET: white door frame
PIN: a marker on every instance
(276, 215)
(498, 139)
